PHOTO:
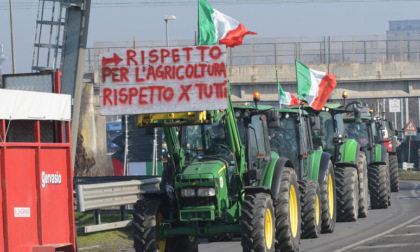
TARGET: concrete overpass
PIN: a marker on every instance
(360, 80)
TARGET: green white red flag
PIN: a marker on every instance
(314, 86)
(215, 27)
(286, 99)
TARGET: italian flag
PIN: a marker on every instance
(215, 27)
(314, 86)
(286, 99)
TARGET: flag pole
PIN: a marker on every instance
(297, 85)
(278, 87)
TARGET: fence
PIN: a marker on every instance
(283, 51)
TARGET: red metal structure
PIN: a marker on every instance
(36, 186)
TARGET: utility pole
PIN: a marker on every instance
(12, 37)
(74, 58)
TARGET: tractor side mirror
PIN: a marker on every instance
(273, 119)
(315, 123)
(357, 115)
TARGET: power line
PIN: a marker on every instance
(27, 5)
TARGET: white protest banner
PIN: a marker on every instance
(165, 79)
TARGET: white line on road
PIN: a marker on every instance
(410, 226)
(413, 192)
(407, 234)
(396, 245)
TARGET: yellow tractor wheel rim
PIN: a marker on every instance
(268, 228)
(161, 243)
(293, 211)
(331, 196)
(317, 209)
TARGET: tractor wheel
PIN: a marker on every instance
(363, 186)
(347, 193)
(310, 207)
(288, 217)
(393, 169)
(257, 223)
(388, 184)
(377, 186)
(185, 243)
(147, 215)
(328, 201)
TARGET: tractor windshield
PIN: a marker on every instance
(204, 141)
(358, 131)
(284, 140)
(327, 131)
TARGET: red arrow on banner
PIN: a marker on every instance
(115, 59)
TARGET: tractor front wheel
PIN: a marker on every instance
(378, 186)
(257, 223)
(147, 215)
(347, 193)
(310, 207)
(328, 200)
(363, 186)
(393, 169)
(288, 217)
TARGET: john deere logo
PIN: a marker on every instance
(221, 182)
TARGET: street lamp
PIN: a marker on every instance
(168, 17)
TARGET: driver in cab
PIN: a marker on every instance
(220, 144)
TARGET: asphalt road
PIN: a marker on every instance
(394, 229)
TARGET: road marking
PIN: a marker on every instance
(410, 226)
(407, 234)
(396, 245)
(413, 192)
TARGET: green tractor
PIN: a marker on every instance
(349, 162)
(222, 178)
(363, 127)
(315, 174)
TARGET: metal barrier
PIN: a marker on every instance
(284, 50)
(97, 196)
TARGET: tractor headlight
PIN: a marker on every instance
(187, 192)
(206, 192)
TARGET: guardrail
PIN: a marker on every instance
(96, 196)
(284, 50)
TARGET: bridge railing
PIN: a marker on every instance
(284, 50)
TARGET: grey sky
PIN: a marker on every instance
(268, 20)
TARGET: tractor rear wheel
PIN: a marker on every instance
(287, 209)
(363, 185)
(328, 200)
(258, 223)
(378, 186)
(310, 206)
(147, 215)
(393, 169)
(347, 193)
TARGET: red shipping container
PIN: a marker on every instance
(36, 174)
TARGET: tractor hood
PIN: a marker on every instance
(205, 169)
